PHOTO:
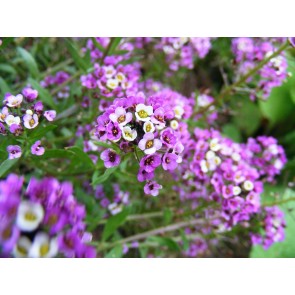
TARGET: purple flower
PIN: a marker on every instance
(169, 161)
(144, 175)
(50, 115)
(114, 132)
(38, 107)
(30, 94)
(14, 151)
(227, 191)
(37, 149)
(159, 117)
(150, 163)
(120, 116)
(292, 41)
(152, 188)
(15, 129)
(149, 144)
(168, 137)
(31, 120)
(110, 158)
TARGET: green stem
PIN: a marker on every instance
(279, 202)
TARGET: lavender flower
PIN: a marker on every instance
(37, 149)
(14, 151)
(110, 158)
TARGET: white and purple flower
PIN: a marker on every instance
(149, 144)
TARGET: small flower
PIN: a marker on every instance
(114, 132)
(150, 163)
(178, 111)
(214, 145)
(37, 149)
(144, 175)
(174, 124)
(30, 121)
(248, 185)
(110, 158)
(169, 161)
(168, 137)
(14, 101)
(129, 134)
(120, 116)
(236, 190)
(159, 117)
(43, 246)
(143, 112)
(120, 77)
(50, 115)
(30, 94)
(148, 126)
(14, 151)
(4, 113)
(29, 216)
(149, 144)
(10, 119)
(152, 188)
(22, 247)
(112, 83)
(227, 191)
(115, 208)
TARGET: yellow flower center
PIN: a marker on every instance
(143, 114)
(44, 249)
(30, 216)
(32, 122)
(128, 134)
(121, 119)
(22, 250)
(149, 144)
(148, 127)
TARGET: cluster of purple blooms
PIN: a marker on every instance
(216, 169)
(119, 200)
(113, 79)
(248, 53)
(45, 220)
(59, 78)
(180, 52)
(151, 126)
(273, 225)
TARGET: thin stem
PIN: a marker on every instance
(279, 202)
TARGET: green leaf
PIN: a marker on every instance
(113, 223)
(168, 214)
(81, 156)
(116, 252)
(97, 179)
(8, 69)
(107, 145)
(231, 131)
(29, 61)
(4, 87)
(5, 42)
(43, 93)
(78, 59)
(172, 245)
(115, 42)
(6, 165)
(97, 45)
(40, 131)
(57, 153)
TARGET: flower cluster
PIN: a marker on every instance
(274, 227)
(45, 220)
(22, 112)
(180, 52)
(56, 80)
(250, 51)
(149, 125)
(266, 156)
(112, 79)
(120, 199)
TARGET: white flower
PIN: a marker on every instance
(14, 101)
(248, 185)
(120, 77)
(148, 126)
(203, 100)
(143, 112)
(30, 121)
(115, 208)
(129, 134)
(174, 124)
(10, 119)
(29, 216)
(4, 113)
(236, 190)
(204, 166)
(273, 148)
(278, 164)
(22, 247)
(178, 111)
(210, 155)
(214, 145)
(29, 112)
(217, 161)
(112, 83)
(236, 157)
(109, 71)
(43, 246)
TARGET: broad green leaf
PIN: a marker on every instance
(81, 156)
(113, 223)
(115, 42)
(43, 93)
(171, 244)
(116, 252)
(4, 87)
(78, 59)
(29, 61)
(231, 131)
(57, 153)
(97, 179)
(6, 165)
